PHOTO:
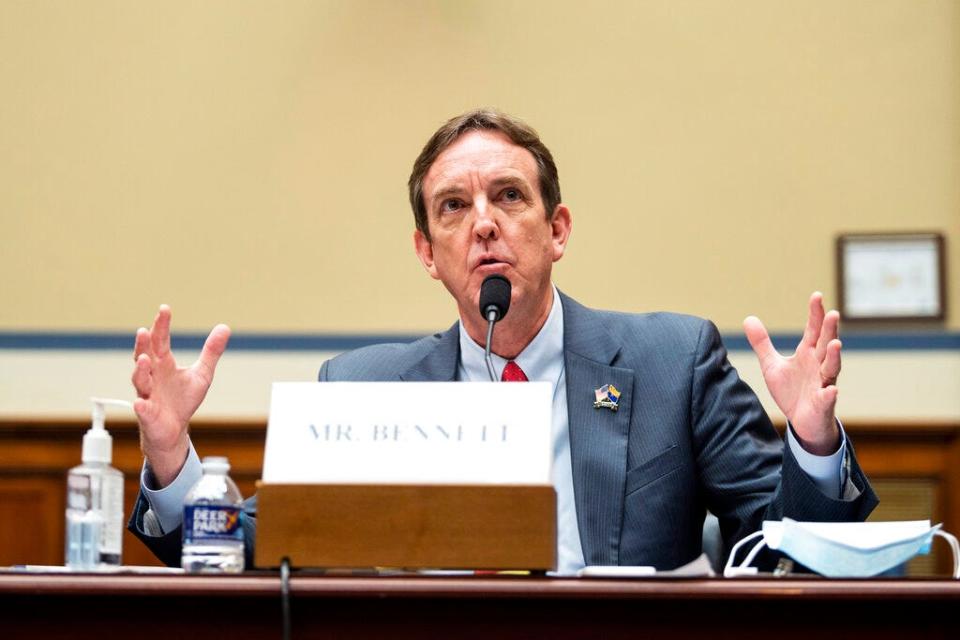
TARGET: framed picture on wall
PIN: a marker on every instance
(891, 276)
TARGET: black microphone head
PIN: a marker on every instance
(495, 296)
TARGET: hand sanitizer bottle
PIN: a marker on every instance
(95, 500)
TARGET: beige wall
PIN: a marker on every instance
(246, 162)
(884, 387)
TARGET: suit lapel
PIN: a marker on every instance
(598, 437)
(440, 363)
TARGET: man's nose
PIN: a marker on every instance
(485, 222)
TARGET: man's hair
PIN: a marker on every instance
(519, 132)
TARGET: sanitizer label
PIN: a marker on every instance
(211, 522)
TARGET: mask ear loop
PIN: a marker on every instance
(730, 571)
(952, 541)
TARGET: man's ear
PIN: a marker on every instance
(560, 225)
(425, 253)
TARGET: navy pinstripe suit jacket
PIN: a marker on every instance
(689, 436)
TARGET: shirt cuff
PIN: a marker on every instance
(825, 471)
(167, 503)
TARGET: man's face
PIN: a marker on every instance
(486, 216)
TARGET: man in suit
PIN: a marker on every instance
(632, 485)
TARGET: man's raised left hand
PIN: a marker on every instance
(804, 385)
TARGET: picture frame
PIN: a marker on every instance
(883, 277)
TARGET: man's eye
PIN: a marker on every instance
(449, 206)
(512, 195)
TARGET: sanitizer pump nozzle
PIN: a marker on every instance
(97, 443)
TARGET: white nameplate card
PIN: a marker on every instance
(409, 433)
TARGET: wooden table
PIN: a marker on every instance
(178, 607)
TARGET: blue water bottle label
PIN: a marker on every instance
(202, 522)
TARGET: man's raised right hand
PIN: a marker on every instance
(168, 395)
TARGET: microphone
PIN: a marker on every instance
(494, 304)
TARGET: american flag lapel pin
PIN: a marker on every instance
(607, 397)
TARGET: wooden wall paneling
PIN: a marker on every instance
(36, 453)
(29, 507)
(950, 500)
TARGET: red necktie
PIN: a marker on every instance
(513, 373)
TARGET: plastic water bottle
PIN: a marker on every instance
(212, 530)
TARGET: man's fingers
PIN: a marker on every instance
(814, 320)
(830, 369)
(213, 348)
(142, 377)
(160, 332)
(828, 399)
(144, 410)
(760, 341)
(141, 344)
(147, 414)
(829, 332)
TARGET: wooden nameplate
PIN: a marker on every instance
(407, 526)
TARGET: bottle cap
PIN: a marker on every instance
(216, 464)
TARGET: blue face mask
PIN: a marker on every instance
(844, 549)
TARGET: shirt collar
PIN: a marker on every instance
(541, 360)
